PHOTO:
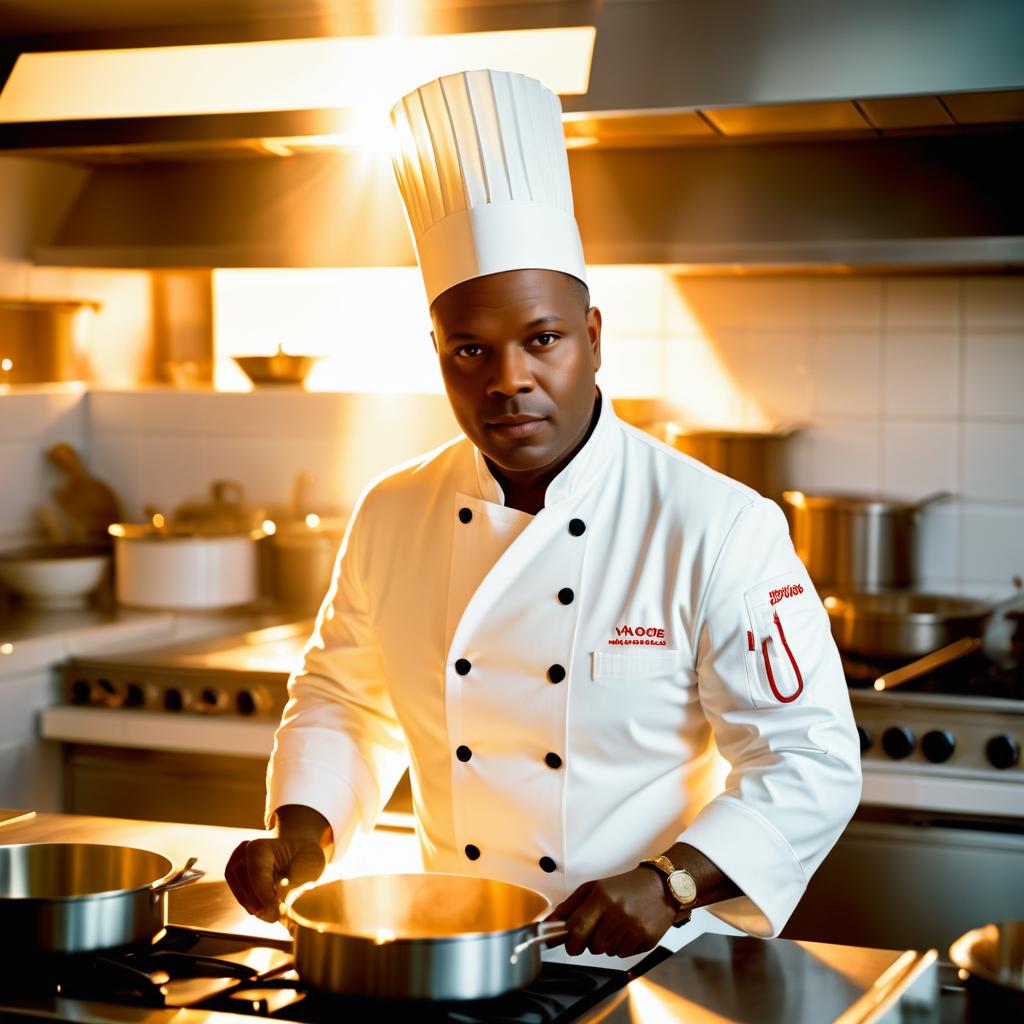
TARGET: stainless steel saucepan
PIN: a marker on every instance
(419, 936)
(82, 897)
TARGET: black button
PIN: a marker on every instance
(576, 527)
(556, 673)
(565, 595)
(463, 753)
(553, 761)
(462, 666)
(465, 514)
(547, 864)
(472, 852)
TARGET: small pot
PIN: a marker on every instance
(171, 569)
(992, 958)
(82, 897)
(420, 936)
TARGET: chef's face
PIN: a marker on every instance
(519, 344)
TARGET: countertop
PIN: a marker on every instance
(716, 979)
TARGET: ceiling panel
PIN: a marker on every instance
(788, 118)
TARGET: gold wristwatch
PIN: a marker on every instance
(680, 883)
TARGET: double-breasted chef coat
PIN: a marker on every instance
(558, 683)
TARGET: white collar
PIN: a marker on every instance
(575, 475)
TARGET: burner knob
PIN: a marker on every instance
(938, 745)
(111, 694)
(898, 742)
(865, 739)
(81, 691)
(252, 702)
(175, 699)
(138, 695)
(212, 699)
(1003, 751)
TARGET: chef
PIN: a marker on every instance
(558, 624)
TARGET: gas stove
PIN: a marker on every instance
(215, 974)
(949, 740)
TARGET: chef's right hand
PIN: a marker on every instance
(261, 872)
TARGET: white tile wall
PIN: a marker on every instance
(904, 384)
(901, 384)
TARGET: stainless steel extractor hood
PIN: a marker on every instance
(783, 134)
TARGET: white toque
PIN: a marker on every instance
(480, 162)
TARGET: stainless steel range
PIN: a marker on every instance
(132, 725)
(937, 846)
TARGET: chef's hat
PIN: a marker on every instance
(480, 161)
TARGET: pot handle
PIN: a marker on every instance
(931, 499)
(185, 876)
(545, 930)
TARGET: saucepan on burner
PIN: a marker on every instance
(991, 961)
(82, 897)
(419, 936)
(931, 629)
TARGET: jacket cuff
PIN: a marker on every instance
(755, 855)
(332, 795)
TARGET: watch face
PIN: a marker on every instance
(683, 886)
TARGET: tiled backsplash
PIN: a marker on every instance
(904, 384)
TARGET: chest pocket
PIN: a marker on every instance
(787, 625)
(634, 665)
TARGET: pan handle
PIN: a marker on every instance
(184, 876)
(545, 930)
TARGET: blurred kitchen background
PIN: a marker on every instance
(805, 232)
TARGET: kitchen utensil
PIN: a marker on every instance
(175, 568)
(54, 576)
(992, 958)
(280, 368)
(894, 624)
(929, 663)
(79, 897)
(90, 505)
(39, 339)
(420, 936)
(14, 816)
(856, 541)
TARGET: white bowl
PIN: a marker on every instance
(60, 576)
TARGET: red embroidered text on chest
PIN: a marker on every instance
(649, 636)
(790, 590)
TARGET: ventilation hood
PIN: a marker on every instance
(790, 134)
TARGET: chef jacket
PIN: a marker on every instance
(558, 683)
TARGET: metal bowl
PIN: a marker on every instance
(279, 368)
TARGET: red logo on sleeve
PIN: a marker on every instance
(789, 590)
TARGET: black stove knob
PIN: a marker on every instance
(135, 696)
(1002, 751)
(898, 742)
(938, 745)
(81, 691)
(175, 699)
(865, 739)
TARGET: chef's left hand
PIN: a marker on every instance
(620, 916)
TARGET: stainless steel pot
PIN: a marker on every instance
(901, 624)
(81, 897)
(420, 936)
(856, 541)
